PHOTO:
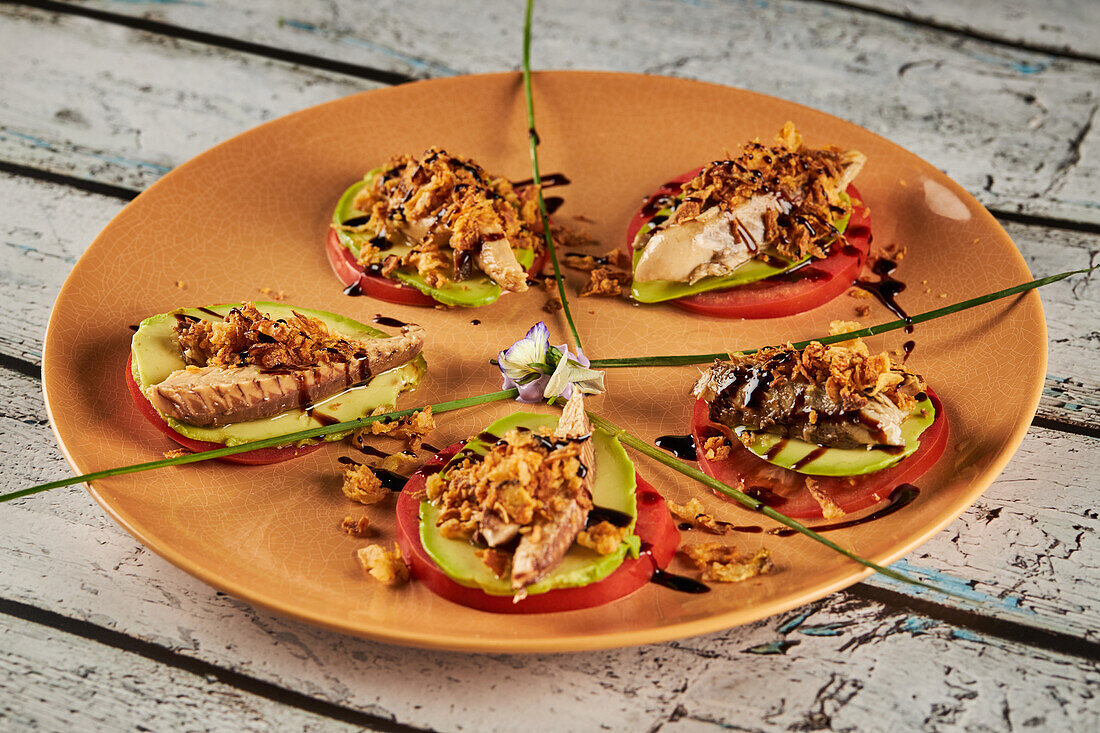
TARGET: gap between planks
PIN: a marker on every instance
(358, 71)
(924, 22)
(162, 655)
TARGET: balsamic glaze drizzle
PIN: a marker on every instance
(902, 496)
(382, 320)
(887, 289)
(681, 446)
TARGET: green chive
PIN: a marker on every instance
(281, 440)
(629, 361)
(533, 139)
(755, 504)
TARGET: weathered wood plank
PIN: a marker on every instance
(55, 681)
(45, 227)
(123, 107)
(1060, 26)
(1014, 127)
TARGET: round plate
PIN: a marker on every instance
(252, 214)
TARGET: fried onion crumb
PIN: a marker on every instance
(411, 428)
(724, 564)
(177, 453)
(361, 485)
(606, 283)
(717, 448)
(604, 537)
(384, 566)
(694, 513)
(356, 527)
(829, 508)
(498, 561)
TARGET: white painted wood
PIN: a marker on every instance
(1057, 25)
(119, 106)
(55, 681)
(1005, 123)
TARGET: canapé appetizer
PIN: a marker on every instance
(774, 231)
(435, 228)
(817, 432)
(231, 374)
(529, 517)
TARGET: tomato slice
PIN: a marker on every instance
(350, 272)
(256, 457)
(785, 294)
(785, 490)
(654, 526)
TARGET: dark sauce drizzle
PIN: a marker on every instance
(599, 514)
(390, 480)
(887, 289)
(382, 320)
(681, 446)
(680, 583)
(907, 348)
(900, 497)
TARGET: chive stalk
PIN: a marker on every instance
(533, 139)
(275, 442)
(633, 361)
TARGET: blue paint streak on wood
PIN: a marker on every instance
(37, 142)
(825, 629)
(917, 624)
(964, 588)
(794, 623)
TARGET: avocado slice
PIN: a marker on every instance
(613, 488)
(155, 353)
(655, 291)
(477, 290)
(842, 461)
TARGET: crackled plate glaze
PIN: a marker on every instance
(253, 212)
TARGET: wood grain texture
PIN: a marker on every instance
(1061, 26)
(55, 681)
(1014, 127)
(123, 107)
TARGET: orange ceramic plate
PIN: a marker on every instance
(252, 213)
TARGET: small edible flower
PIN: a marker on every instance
(541, 371)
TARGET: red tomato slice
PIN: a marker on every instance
(349, 272)
(785, 294)
(785, 490)
(654, 526)
(251, 458)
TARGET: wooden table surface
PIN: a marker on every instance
(100, 98)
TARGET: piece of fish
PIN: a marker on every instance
(545, 545)
(745, 394)
(715, 243)
(495, 257)
(215, 396)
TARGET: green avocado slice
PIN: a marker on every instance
(475, 291)
(155, 353)
(613, 488)
(842, 461)
(655, 291)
